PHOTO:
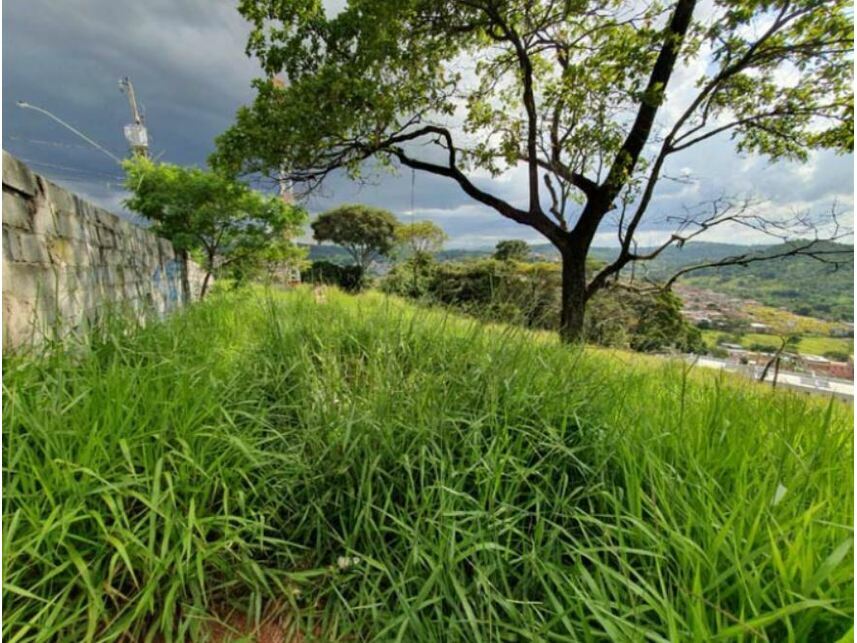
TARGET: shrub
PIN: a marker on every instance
(660, 325)
(349, 278)
(512, 250)
(485, 288)
(412, 277)
(529, 294)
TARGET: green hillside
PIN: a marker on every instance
(328, 252)
(800, 284)
(357, 469)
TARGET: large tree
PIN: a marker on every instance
(209, 213)
(570, 91)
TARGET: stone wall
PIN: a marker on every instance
(67, 262)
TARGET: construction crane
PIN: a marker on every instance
(135, 133)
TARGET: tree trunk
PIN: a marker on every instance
(204, 288)
(573, 296)
(209, 270)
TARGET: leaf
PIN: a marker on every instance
(779, 494)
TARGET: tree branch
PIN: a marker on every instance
(835, 257)
(628, 155)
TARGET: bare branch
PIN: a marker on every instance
(804, 234)
(835, 257)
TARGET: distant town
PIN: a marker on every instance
(745, 332)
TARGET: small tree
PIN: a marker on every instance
(365, 232)
(421, 237)
(278, 259)
(512, 250)
(199, 210)
(786, 341)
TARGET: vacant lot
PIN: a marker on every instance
(364, 470)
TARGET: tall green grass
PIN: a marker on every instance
(380, 472)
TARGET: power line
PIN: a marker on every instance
(76, 146)
(25, 105)
(83, 181)
(72, 169)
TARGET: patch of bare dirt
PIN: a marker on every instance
(276, 626)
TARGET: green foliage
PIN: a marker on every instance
(512, 250)
(365, 232)
(529, 294)
(281, 254)
(413, 277)
(501, 291)
(349, 278)
(646, 322)
(209, 214)
(374, 65)
(421, 237)
(490, 485)
(661, 325)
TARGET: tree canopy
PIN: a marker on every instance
(421, 237)
(573, 92)
(365, 232)
(511, 250)
(207, 212)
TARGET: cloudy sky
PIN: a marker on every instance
(186, 60)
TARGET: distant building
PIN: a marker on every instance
(847, 330)
(818, 365)
(842, 370)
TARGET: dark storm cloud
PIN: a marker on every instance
(186, 59)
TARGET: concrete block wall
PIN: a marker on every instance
(66, 262)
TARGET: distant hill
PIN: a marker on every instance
(799, 284)
(337, 254)
(802, 285)
(334, 254)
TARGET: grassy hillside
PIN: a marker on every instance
(363, 470)
(785, 322)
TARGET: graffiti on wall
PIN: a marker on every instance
(166, 279)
